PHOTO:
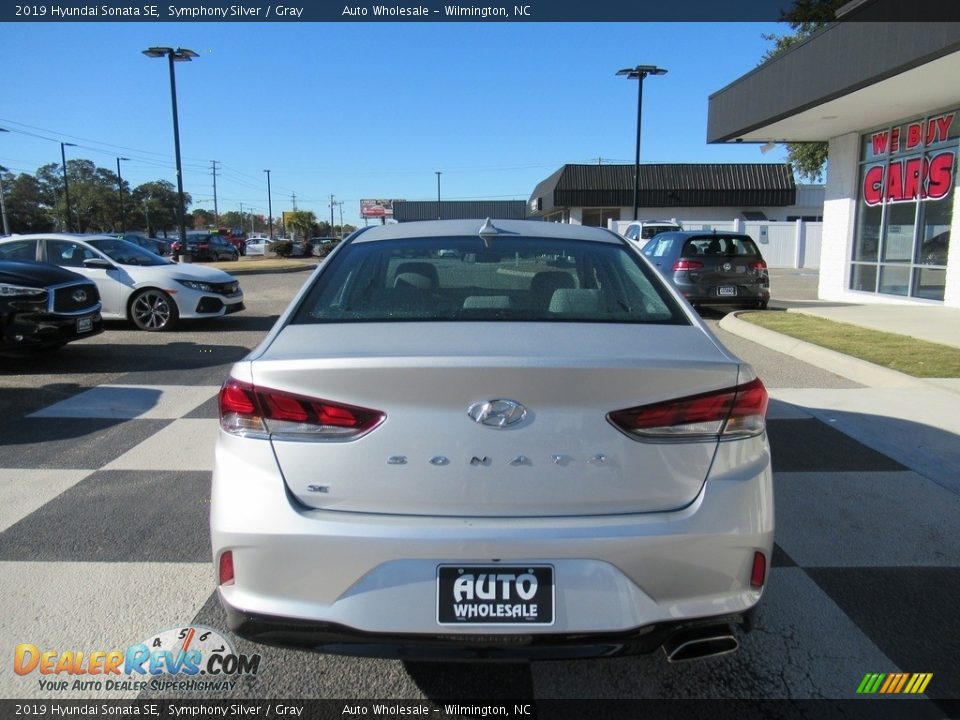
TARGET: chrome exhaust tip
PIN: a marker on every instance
(699, 643)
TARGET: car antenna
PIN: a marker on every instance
(487, 233)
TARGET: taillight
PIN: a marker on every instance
(262, 412)
(758, 265)
(758, 573)
(687, 265)
(722, 414)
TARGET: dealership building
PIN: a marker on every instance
(886, 97)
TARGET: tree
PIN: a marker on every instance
(805, 18)
(302, 223)
(156, 203)
(202, 219)
(27, 209)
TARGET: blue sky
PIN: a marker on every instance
(366, 110)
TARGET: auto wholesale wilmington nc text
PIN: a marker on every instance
(481, 13)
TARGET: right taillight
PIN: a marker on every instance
(725, 414)
(257, 411)
(687, 265)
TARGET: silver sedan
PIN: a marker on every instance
(529, 448)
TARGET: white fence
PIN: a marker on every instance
(783, 244)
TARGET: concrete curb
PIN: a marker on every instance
(860, 371)
(254, 269)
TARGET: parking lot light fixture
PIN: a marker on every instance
(66, 186)
(638, 73)
(3, 204)
(269, 205)
(123, 215)
(178, 55)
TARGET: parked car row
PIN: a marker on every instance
(132, 283)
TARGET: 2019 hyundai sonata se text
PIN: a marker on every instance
(533, 448)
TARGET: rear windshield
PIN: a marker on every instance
(517, 278)
(719, 245)
(650, 231)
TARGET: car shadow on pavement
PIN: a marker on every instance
(85, 358)
(491, 681)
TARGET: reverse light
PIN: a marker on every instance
(687, 265)
(726, 414)
(226, 568)
(263, 412)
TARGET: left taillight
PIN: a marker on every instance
(264, 412)
(725, 414)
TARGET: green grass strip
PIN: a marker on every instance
(918, 358)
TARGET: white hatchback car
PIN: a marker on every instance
(537, 450)
(135, 284)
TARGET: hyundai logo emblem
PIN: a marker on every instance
(497, 413)
(79, 296)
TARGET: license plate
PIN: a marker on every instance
(495, 595)
(727, 290)
(84, 324)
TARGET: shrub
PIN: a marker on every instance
(281, 248)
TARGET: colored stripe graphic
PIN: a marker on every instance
(894, 683)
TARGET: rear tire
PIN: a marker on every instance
(153, 310)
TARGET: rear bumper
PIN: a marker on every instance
(316, 578)
(339, 639)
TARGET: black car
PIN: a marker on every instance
(154, 245)
(44, 306)
(207, 246)
(712, 268)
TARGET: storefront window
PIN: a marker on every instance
(905, 207)
(597, 217)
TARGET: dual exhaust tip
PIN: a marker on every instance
(701, 642)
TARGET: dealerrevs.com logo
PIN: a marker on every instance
(185, 659)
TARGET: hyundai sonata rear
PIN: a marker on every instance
(530, 447)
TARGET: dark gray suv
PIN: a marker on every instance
(712, 268)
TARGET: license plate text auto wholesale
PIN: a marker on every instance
(727, 290)
(84, 324)
(495, 595)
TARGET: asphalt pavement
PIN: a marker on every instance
(104, 490)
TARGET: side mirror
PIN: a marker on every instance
(98, 264)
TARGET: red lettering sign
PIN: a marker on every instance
(913, 135)
(910, 179)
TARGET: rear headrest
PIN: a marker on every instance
(547, 282)
(420, 275)
(576, 302)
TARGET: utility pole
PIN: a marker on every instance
(294, 200)
(241, 217)
(340, 205)
(269, 204)
(332, 203)
(216, 213)
(439, 214)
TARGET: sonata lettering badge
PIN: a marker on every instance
(495, 595)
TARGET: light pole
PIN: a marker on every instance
(178, 55)
(269, 205)
(66, 187)
(3, 204)
(638, 73)
(438, 194)
(123, 215)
